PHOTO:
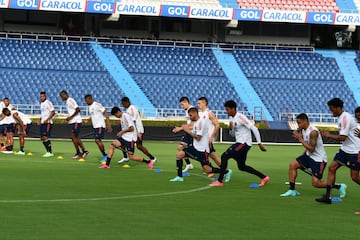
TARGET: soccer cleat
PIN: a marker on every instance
(84, 154)
(188, 167)
(324, 199)
(155, 159)
(8, 152)
(210, 175)
(104, 166)
(123, 160)
(228, 176)
(357, 213)
(216, 184)
(151, 164)
(76, 156)
(20, 153)
(264, 181)
(342, 190)
(290, 193)
(177, 179)
(48, 154)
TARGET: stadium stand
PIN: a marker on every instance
(33, 66)
(293, 5)
(309, 79)
(165, 74)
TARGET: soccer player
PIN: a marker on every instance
(200, 147)
(9, 129)
(214, 127)
(314, 157)
(74, 120)
(5, 103)
(125, 140)
(240, 127)
(186, 140)
(46, 116)
(97, 114)
(349, 151)
(23, 125)
(134, 113)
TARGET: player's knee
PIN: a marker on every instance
(293, 165)
(180, 147)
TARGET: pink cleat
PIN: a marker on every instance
(216, 184)
(264, 181)
(151, 164)
(104, 166)
(210, 175)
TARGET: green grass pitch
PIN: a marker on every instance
(47, 198)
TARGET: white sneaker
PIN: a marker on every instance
(123, 160)
(188, 167)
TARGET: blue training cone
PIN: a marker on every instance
(186, 174)
(254, 185)
(157, 170)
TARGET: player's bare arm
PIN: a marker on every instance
(335, 137)
(77, 110)
(214, 121)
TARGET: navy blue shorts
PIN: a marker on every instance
(128, 146)
(238, 151)
(10, 128)
(317, 168)
(187, 139)
(45, 129)
(348, 159)
(99, 133)
(202, 157)
(139, 139)
(2, 129)
(75, 128)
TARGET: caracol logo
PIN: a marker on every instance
(210, 13)
(63, 5)
(135, 9)
(283, 16)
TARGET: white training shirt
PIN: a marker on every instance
(347, 125)
(242, 128)
(201, 127)
(319, 155)
(46, 108)
(205, 115)
(71, 105)
(126, 122)
(134, 113)
(97, 115)
(25, 119)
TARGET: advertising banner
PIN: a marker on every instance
(175, 11)
(283, 16)
(137, 9)
(212, 13)
(321, 18)
(63, 5)
(347, 19)
(4, 3)
(247, 14)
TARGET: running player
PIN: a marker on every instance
(74, 120)
(199, 149)
(126, 139)
(241, 128)
(214, 127)
(5, 103)
(186, 140)
(314, 157)
(139, 128)
(46, 116)
(348, 154)
(97, 114)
